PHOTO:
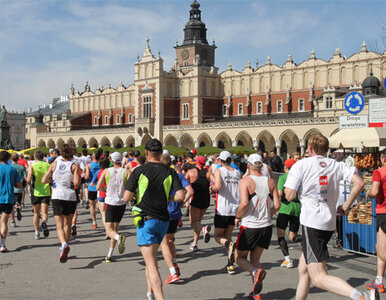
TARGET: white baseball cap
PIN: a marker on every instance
(224, 155)
(166, 152)
(254, 158)
(172, 157)
(116, 157)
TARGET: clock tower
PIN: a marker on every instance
(195, 48)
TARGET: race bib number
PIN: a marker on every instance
(323, 180)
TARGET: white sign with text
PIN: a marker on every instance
(353, 121)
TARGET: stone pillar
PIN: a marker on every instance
(234, 143)
(278, 146)
(214, 143)
(256, 144)
(196, 144)
(302, 145)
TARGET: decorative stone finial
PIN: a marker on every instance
(159, 53)
(248, 65)
(138, 58)
(337, 52)
(257, 63)
(313, 56)
(214, 43)
(364, 47)
(109, 85)
(268, 62)
(147, 41)
(371, 69)
(289, 59)
(229, 66)
(176, 43)
(72, 90)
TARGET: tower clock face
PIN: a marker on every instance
(185, 54)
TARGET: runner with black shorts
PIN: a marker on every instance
(41, 194)
(199, 179)
(18, 192)
(317, 181)
(167, 246)
(288, 213)
(65, 174)
(91, 170)
(115, 179)
(226, 180)
(254, 216)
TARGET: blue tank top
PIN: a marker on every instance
(94, 169)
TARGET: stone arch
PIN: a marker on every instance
(82, 143)
(204, 140)
(311, 132)
(117, 142)
(71, 142)
(187, 142)
(244, 139)
(60, 143)
(41, 143)
(130, 142)
(145, 139)
(266, 138)
(105, 142)
(170, 140)
(51, 144)
(223, 140)
(333, 132)
(93, 143)
(290, 140)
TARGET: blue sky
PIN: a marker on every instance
(47, 45)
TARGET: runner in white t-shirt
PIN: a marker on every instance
(316, 179)
(226, 180)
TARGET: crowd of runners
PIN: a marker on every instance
(158, 185)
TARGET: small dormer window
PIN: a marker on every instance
(329, 102)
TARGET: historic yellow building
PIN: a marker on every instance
(192, 104)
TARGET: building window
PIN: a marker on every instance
(106, 119)
(185, 111)
(279, 106)
(130, 118)
(224, 110)
(146, 107)
(118, 119)
(301, 104)
(328, 102)
(240, 109)
(259, 108)
(95, 120)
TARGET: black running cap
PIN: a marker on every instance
(154, 145)
(136, 153)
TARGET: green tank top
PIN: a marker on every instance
(40, 169)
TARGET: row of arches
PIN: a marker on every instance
(116, 142)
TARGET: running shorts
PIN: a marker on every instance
(314, 244)
(39, 200)
(151, 232)
(92, 195)
(114, 213)
(250, 238)
(283, 220)
(223, 221)
(18, 197)
(200, 203)
(100, 199)
(24, 183)
(63, 207)
(6, 208)
(173, 224)
(381, 222)
(82, 180)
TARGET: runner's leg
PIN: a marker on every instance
(195, 221)
(304, 280)
(36, 218)
(149, 253)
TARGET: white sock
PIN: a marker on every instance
(110, 253)
(287, 258)
(172, 270)
(2, 242)
(174, 260)
(254, 272)
(148, 294)
(93, 222)
(64, 244)
(37, 232)
(356, 294)
(116, 237)
(379, 280)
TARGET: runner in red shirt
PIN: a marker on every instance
(23, 162)
(378, 190)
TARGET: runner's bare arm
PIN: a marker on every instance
(374, 190)
(290, 194)
(356, 189)
(76, 172)
(179, 196)
(127, 196)
(30, 172)
(87, 176)
(275, 195)
(189, 193)
(217, 181)
(101, 180)
(47, 177)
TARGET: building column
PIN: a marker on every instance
(214, 143)
(302, 145)
(255, 144)
(234, 143)
(196, 144)
(278, 146)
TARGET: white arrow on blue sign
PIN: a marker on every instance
(354, 103)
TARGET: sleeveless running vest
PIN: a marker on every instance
(228, 197)
(115, 181)
(258, 213)
(40, 168)
(201, 196)
(94, 168)
(63, 187)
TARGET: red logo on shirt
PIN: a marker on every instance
(323, 180)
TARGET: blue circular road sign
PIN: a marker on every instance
(354, 103)
(384, 83)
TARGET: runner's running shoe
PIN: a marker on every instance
(46, 233)
(231, 270)
(255, 297)
(3, 249)
(121, 244)
(205, 232)
(193, 247)
(108, 259)
(180, 224)
(370, 295)
(374, 286)
(231, 252)
(287, 264)
(258, 281)
(13, 225)
(172, 278)
(73, 230)
(18, 214)
(177, 268)
(37, 235)
(94, 226)
(63, 254)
